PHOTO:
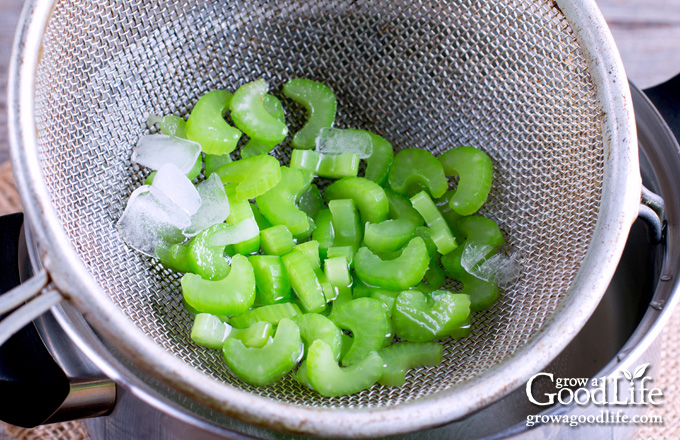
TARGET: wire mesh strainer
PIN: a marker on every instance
(536, 84)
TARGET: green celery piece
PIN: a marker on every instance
(241, 210)
(262, 222)
(369, 323)
(314, 326)
(483, 294)
(271, 279)
(449, 214)
(401, 209)
(175, 257)
(481, 230)
(481, 235)
(337, 272)
(435, 275)
(347, 342)
(256, 146)
(276, 240)
(418, 317)
(441, 234)
(250, 115)
(378, 165)
(324, 233)
(193, 312)
(272, 314)
(305, 282)
(413, 170)
(424, 287)
(475, 171)
(342, 251)
(207, 260)
(196, 169)
(370, 198)
(266, 365)
(330, 380)
(311, 202)
(400, 273)
(344, 295)
(213, 162)
(300, 375)
(403, 356)
(170, 125)
(329, 292)
(209, 331)
(255, 336)
(310, 249)
(463, 331)
(255, 176)
(346, 223)
(426, 234)
(232, 295)
(388, 235)
(332, 166)
(279, 204)
(206, 124)
(359, 288)
(321, 105)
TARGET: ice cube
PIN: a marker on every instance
(156, 150)
(214, 205)
(172, 182)
(500, 268)
(240, 232)
(151, 219)
(474, 254)
(337, 141)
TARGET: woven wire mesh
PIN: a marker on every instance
(505, 76)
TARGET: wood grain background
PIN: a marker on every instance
(647, 33)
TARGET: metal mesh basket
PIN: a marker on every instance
(510, 77)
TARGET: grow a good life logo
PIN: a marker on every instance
(628, 389)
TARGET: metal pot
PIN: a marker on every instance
(138, 374)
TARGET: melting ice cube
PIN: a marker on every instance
(150, 220)
(473, 255)
(214, 205)
(172, 182)
(156, 150)
(501, 268)
(337, 141)
(240, 232)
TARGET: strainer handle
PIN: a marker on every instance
(652, 212)
(39, 385)
(666, 100)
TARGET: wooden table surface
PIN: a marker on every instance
(647, 33)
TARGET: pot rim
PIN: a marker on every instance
(620, 195)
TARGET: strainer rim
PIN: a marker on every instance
(620, 194)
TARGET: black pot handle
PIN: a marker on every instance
(32, 385)
(666, 99)
(43, 378)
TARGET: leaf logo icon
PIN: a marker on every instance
(627, 375)
(640, 371)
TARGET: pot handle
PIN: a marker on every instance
(666, 100)
(34, 386)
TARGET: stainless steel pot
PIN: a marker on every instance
(537, 318)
